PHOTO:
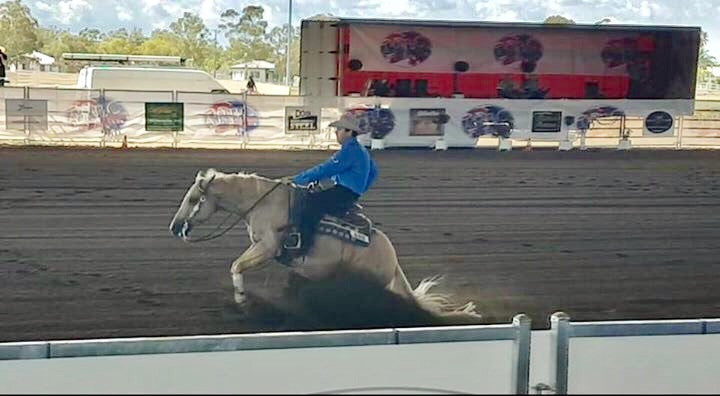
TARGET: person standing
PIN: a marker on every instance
(251, 87)
(3, 60)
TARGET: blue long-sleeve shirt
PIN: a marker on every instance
(351, 167)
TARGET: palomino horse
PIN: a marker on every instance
(264, 205)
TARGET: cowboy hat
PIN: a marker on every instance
(347, 122)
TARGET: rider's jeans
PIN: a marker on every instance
(335, 201)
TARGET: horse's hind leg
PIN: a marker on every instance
(381, 258)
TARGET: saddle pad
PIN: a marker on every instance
(355, 228)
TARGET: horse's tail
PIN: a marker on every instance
(441, 305)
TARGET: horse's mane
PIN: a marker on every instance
(245, 175)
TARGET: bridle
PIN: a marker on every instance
(241, 215)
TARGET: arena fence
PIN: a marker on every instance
(657, 356)
(115, 118)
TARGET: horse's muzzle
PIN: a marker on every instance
(180, 230)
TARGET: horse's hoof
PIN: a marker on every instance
(232, 311)
(240, 299)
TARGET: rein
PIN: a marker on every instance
(214, 234)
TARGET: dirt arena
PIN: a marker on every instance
(602, 235)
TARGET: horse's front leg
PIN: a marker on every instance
(258, 253)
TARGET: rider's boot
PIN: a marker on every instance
(290, 247)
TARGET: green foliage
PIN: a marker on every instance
(247, 26)
(18, 29)
(187, 37)
(558, 20)
(705, 60)
(162, 43)
(191, 37)
(246, 33)
(277, 39)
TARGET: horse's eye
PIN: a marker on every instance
(202, 198)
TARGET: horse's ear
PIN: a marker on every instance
(199, 175)
(211, 173)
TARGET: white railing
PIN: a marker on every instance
(563, 331)
(652, 356)
(709, 87)
(438, 363)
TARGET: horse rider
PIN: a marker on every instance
(351, 171)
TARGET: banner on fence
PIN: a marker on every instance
(419, 122)
(659, 123)
(546, 121)
(427, 122)
(164, 117)
(73, 115)
(26, 114)
(301, 119)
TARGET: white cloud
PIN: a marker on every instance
(159, 25)
(43, 6)
(389, 8)
(209, 12)
(504, 16)
(70, 10)
(123, 14)
(555, 7)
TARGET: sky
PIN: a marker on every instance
(153, 14)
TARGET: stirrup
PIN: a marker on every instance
(293, 241)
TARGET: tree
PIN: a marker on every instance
(18, 29)
(188, 37)
(277, 40)
(705, 60)
(216, 59)
(558, 20)
(56, 42)
(92, 35)
(162, 43)
(248, 26)
(122, 42)
(192, 36)
(246, 34)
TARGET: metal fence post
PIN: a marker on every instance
(99, 107)
(583, 133)
(521, 355)
(559, 351)
(176, 134)
(681, 126)
(245, 119)
(26, 127)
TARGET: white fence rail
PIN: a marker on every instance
(432, 358)
(659, 356)
(662, 366)
(709, 87)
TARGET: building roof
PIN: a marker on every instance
(43, 59)
(255, 64)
